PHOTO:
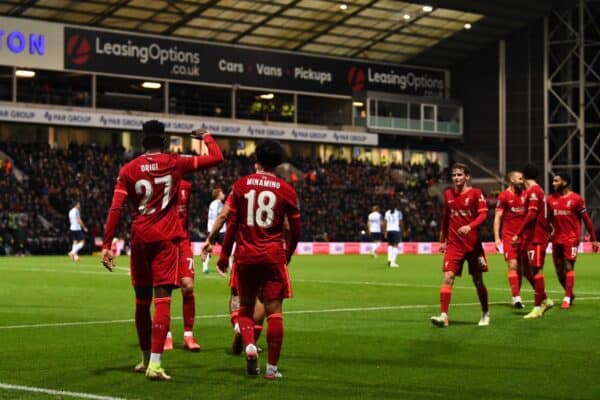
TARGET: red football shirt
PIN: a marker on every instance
(258, 203)
(463, 209)
(565, 213)
(513, 212)
(183, 203)
(150, 182)
(537, 230)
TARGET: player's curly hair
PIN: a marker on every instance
(153, 134)
(564, 176)
(269, 153)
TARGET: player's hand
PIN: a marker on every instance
(443, 247)
(464, 230)
(222, 264)
(198, 133)
(498, 243)
(594, 247)
(206, 250)
(108, 259)
(514, 241)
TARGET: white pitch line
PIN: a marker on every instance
(53, 392)
(321, 311)
(394, 284)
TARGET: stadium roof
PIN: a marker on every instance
(425, 32)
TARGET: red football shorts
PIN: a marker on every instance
(233, 280)
(265, 281)
(564, 252)
(533, 254)
(510, 252)
(186, 260)
(155, 264)
(454, 259)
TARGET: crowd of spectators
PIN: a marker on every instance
(335, 196)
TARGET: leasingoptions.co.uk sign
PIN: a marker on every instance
(32, 44)
(160, 57)
(176, 125)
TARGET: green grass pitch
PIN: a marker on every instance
(354, 329)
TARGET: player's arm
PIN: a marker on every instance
(230, 235)
(587, 221)
(497, 222)
(529, 217)
(444, 228)
(82, 224)
(213, 157)
(482, 211)
(114, 214)
(294, 236)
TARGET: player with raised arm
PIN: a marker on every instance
(374, 223)
(76, 226)
(566, 209)
(532, 240)
(258, 205)
(464, 211)
(214, 209)
(187, 271)
(510, 211)
(150, 183)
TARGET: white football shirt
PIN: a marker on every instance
(392, 219)
(374, 222)
(214, 209)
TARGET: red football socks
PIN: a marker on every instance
(540, 289)
(189, 311)
(274, 337)
(257, 331)
(513, 280)
(160, 324)
(445, 295)
(143, 323)
(569, 283)
(246, 324)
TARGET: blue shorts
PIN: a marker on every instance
(393, 237)
(220, 238)
(76, 235)
(376, 236)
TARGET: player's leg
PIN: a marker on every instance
(536, 254)
(276, 288)
(452, 267)
(189, 314)
(477, 266)
(274, 312)
(514, 276)
(558, 257)
(143, 324)
(259, 319)
(394, 240)
(248, 282)
(164, 260)
(570, 258)
(72, 251)
(141, 280)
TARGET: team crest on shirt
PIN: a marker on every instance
(568, 203)
(467, 201)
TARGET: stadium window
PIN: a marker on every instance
(128, 94)
(252, 104)
(317, 110)
(199, 100)
(6, 83)
(52, 87)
